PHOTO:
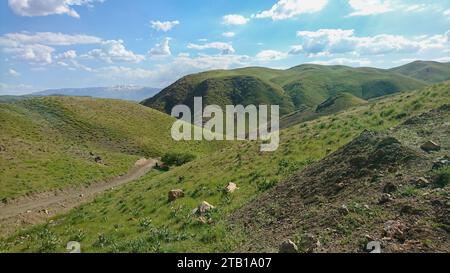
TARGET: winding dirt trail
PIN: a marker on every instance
(39, 208)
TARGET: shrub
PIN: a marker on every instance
(442, 177)
(177, 159)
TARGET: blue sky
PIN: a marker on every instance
(78, 43)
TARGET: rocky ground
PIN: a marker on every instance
(391, 188)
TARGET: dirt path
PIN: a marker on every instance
(39, 208)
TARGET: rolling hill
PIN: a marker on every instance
(52, 142)
(139, 218)
(131, 92)
(431, 72)
(305, 85)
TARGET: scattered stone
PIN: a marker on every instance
(343, 210)
(232, 187)
(29, 211)
(175, 194)
(422, 182)
(44, 211)
(385, 198)
(2, 148)
(204, 207)
(288, 247)
(441, 163)
(389, 188)
(430, 146)
(81, 195)
(394, 230)
(340, 186)
(310, 243)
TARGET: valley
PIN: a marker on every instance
(272, 187)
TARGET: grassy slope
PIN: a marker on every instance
(432, 72)
(47, 141)
(138, 218)
(302, 85)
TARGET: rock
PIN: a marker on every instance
(389, 188)
(394, 230)
(288, 247)
(310, 243)
(204, 207)
(441, 163)
(175, 194)
(430, 146)
(422, 182)
(344, 210)
(232, 187)
(98, 159)
(340, 186)
(385, 198)
(2, 148)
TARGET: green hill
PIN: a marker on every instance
(305, 85)
(432, 72)
(139, 218)
(48, 143)
(339, 102)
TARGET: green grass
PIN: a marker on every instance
(48, 141)
(138, 217)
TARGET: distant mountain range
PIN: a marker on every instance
(122, 92)
(293, 89)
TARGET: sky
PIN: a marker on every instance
(80, 43)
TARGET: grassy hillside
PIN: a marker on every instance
(139, 218)
(432, 72)
(335, 104)
(292, 89)
(48, 143)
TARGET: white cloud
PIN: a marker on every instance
(338, 41)
(228, 34)
(70, 54)
(161, 49)
(114, 50)
(164, 26)
(235, 19)
(225, 48)
(35, 53)
(370, 7)
(47, 38)
(167, 73)
(447, 12)
(13, 73)
(285, 9)
(344, 61)
(270, 55)
(48, 7)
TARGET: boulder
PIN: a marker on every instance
(385, 198)
(175, 194)
(421, 182)
(288, 247)
(394, 230)
(430, 146)
(232, 187)
(204, 207)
